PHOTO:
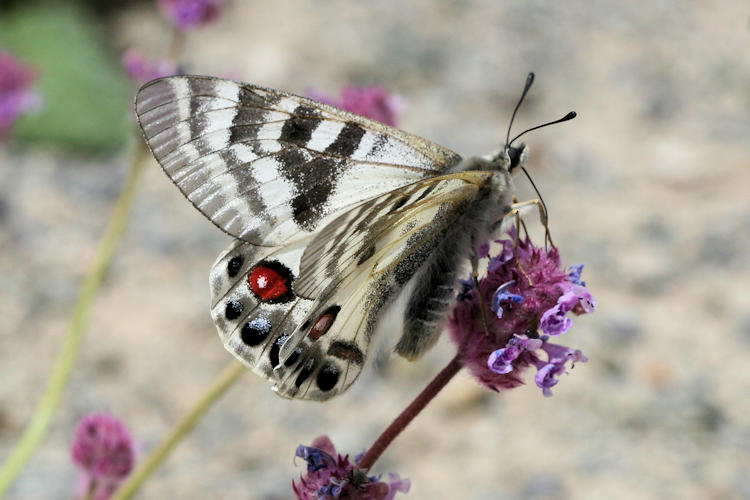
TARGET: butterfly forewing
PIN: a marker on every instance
(269, 167)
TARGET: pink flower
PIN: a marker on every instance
(142, 70)
(103, 450)
(372, 102)
(332, 476)
(16, 96)
(187, 14)
(525, 292)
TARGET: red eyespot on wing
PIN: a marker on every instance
(324, 322)
(321, 326)
(271, 281)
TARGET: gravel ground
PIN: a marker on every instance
(648, 187)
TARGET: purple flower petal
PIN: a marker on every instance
(373, 102)
(546, 377)
(483, 250)
(502, 295)
(103, 450)
(316, 459)
(505, 255)
(142, 70)
(16, 95)
(331, 475)
(554, 321)
(574, 274)
(187, 14)
(396, 485)
(501, 360)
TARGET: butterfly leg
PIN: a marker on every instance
(515, 211)
(475, 276)
(517, 206)
(517, 215)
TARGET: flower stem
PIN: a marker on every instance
(223, 381)
(58, 381)
(411, 411)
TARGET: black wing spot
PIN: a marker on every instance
(346, 351)
(327, 377)
(234, 265)
(273, 354)
(293, 358)
(234, 309)
(254, 332)
(304, 374)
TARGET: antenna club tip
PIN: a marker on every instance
(571, 115)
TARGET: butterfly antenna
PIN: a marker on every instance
(565, 118)
(526, 87)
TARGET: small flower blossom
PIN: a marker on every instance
(338, 478)
(530, 295)
(16, 96)
(104, 452)
(502, 295)
(187, 14)
(373, 102)
(558, 355)
(142, 70)
(501, 361)
(574, 274)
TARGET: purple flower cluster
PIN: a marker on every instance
(16, 96)
(104, 452)
(338, 478)
(187, 14)
(142, 70)
(529, 295)
(373, 102)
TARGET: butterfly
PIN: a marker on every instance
(334, 215)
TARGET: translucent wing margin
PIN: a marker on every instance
(270, 167)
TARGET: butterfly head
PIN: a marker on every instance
(514, 156)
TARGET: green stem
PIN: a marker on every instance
(40, 422)
(224, 381)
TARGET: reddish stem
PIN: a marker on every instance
(411, 411)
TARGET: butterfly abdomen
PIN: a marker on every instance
(431, 295)
(435, 283)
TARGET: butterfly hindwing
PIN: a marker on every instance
(270, 167)
(252, 300)
(314, 348)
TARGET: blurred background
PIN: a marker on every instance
(648, 188)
